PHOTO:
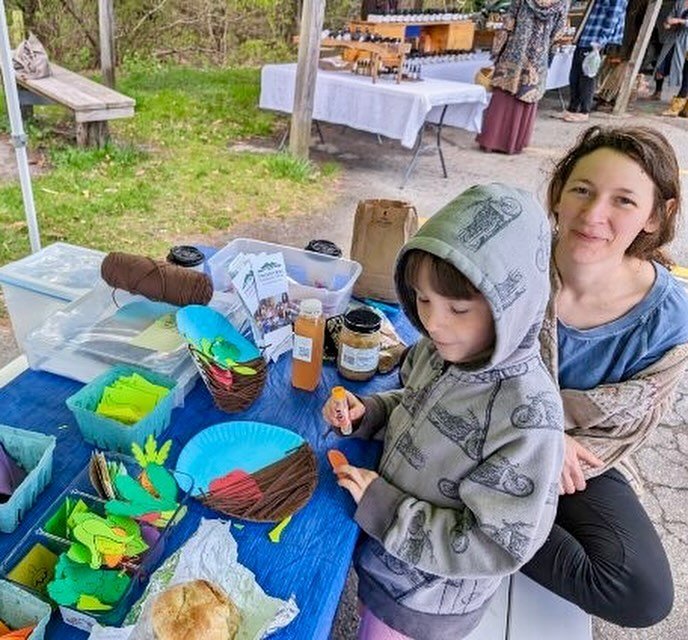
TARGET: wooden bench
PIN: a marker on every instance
(523, 610)
(93, 104)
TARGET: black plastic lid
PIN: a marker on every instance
(185, 256)
(325, 247)
(362, 320)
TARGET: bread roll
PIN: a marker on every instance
(196, 609)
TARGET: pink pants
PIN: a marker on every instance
(372, 628)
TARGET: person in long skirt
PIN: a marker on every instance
(520, 73)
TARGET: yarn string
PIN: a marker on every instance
(156, 280)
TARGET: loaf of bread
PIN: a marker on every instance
(196, 609)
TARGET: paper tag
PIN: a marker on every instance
(355, 359)
(303, 348)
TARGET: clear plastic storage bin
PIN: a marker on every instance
(34, 453)
(46, 281)
(110, 434)
(105, 328)
(311, 275)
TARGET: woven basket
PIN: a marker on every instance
(241, 392)
(484, 77)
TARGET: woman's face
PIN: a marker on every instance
(606, 202)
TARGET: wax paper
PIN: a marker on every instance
(210, 554)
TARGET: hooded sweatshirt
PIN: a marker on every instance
(472, 454)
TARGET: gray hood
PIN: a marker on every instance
(487, 233)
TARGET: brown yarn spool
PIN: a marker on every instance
(157, 280)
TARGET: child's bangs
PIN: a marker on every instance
(445, 279)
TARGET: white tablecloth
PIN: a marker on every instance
(465, 70)
(396, 111)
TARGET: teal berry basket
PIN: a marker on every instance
(34, 453)
(19, 609)
(109, 434)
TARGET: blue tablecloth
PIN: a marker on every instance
(313, 557)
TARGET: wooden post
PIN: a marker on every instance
(637, 55)
(106, 25)
(306, 72)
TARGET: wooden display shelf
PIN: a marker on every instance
(435, 36)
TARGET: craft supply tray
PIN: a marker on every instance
(56, 543)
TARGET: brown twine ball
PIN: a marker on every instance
(156, 280)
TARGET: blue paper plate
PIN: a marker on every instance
(228, 446)
(196, 322)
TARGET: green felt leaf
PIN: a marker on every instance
(79, 552)
(139, 455)
(163, 452)
(164, 483)
(247, 371)
(150, 448)
(73, 579)
(91, 603)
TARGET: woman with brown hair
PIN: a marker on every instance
(616, 334)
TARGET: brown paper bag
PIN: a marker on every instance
(381, 228)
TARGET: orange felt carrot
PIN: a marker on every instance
(336, 458)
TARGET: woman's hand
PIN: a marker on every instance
(356, 410)
(355, 480)
(576, 459)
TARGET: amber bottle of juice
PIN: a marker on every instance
(309, 337)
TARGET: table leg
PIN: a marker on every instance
(285, 136)
(420, 150)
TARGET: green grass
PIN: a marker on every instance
(169, 175)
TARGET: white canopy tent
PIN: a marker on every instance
(19, 138)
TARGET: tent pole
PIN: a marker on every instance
(19, 139)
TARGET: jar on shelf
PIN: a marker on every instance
(359, 345)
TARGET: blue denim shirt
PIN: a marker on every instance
(616, 351)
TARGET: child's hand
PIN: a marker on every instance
(356, 410)
(355, 480)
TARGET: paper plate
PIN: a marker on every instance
(227, 446)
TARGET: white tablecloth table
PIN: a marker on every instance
(465, 70)
(397, 111)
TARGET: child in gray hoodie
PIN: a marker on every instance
(467, 486)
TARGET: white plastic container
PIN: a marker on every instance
(311, 275)
(37, 286)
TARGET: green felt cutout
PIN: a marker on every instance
(97, 535)
(91, 603)
(129, 398)
(72, 580)
(136, 501)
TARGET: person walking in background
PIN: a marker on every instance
(672, 59)
(603, 24)
(520, 74)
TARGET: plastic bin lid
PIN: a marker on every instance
(59, 270)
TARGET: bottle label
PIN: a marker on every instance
(355, 359)
(303, 348)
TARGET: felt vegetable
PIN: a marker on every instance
(137, 502)
(150, 454)
(336, 458)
